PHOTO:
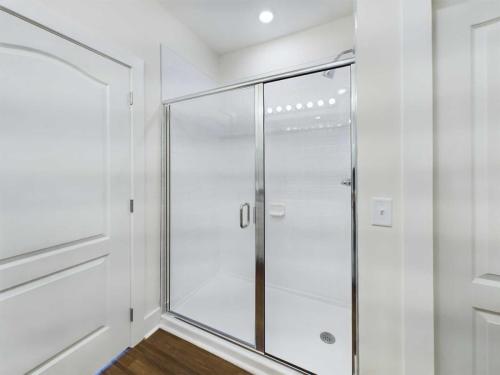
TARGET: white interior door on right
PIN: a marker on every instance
(467, 95)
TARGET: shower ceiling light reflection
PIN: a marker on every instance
(300, 106)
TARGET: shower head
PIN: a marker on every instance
(331, 72)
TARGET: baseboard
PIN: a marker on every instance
(239, 356)
(152, 321)
(153, 330)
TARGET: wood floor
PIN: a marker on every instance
(165, 354)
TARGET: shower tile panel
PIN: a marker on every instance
(212, 159)
(308, 250)
(307, 219)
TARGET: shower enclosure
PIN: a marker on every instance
(260, 216)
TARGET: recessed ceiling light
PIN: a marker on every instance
(309, 104)
(266, 16)
(269, 110)
(331, 101)
(299, 106)
(320, 103)
(288, 107)
(342, 91)
(279, 109)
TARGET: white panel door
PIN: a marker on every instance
(468, 188)
(64, 203)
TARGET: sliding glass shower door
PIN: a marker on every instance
(260, 217)
(308, 221)
(212, 195)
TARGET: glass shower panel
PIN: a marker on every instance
(212, 195)
(308, 221)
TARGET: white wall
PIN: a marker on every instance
(179, 77)
(138, 27)
(394, 83)
(417, 216)
(378, 55)
(316, 45)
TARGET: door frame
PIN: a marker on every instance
(40, 17)
(257, 84)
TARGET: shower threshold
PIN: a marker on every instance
(294, 323)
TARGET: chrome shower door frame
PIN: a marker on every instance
(259, 214)
(260, 265)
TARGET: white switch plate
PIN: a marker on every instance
(382, 212)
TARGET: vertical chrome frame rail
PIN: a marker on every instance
(260, 270)
(260, 212)
(165, 209)
(354, 223)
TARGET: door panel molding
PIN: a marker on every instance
(23, 270)
(51, 304)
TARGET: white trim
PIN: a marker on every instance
(138, 241)
(241, 357)
(151, 321)
(417, 189)
(151, 331)
(42, 16)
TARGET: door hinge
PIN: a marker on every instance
(131, 314)
(131, 98)
(131, 206)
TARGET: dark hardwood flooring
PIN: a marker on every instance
(163, 354)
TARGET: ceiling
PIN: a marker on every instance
(228, 25)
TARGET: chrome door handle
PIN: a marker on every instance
(242, 208)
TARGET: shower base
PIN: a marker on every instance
(294, 322)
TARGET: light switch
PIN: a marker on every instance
(382, 212)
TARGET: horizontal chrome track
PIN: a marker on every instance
(277, 77)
